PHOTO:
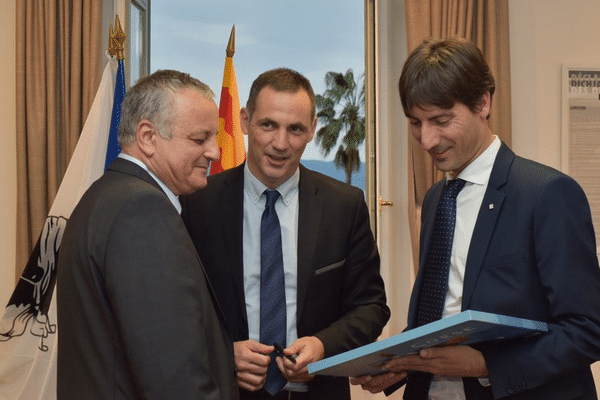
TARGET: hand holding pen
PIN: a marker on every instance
(279, 350)
(304, 351)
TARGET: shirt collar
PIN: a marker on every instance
(172, 197)
(255, 188)
(479, 170)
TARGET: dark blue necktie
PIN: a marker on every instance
(272, 289)
(435, 277)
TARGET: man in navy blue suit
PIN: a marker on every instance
(523, 246)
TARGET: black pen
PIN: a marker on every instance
(279, 350)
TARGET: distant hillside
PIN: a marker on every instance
(328, 168)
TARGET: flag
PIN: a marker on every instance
(230, 138)
(113, 149)
(28, 331)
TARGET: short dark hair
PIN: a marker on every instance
(153, 98)
(281, 80)
(443, 72)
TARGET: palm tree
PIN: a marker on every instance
(340, 110)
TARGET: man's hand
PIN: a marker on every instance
(251, 360)
(452, 360)
(462, 361)
(378, 383)
(306, 350)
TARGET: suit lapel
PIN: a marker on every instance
(309, 220)
(231, 203)
(486, 221)
(127, 167)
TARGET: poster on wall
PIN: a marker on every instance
(580, 132)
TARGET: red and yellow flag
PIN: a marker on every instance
(230, 138)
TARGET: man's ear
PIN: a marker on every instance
(146, 135)
(244, 120)
(313, 129)
(485, 105)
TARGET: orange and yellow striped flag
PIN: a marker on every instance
(230, 138)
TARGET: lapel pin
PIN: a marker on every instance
(491, 206)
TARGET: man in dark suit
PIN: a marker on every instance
(524, 246)
(136, 314)
(335, 298)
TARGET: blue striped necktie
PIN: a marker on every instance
(272, 289)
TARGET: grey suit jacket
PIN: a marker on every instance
(340, 294)
(135, 313)
(532, 255)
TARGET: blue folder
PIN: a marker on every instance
(466, 328)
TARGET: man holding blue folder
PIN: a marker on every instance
(500, 234)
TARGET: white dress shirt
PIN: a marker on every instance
(477, 175)
(287, 212)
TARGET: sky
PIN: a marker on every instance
(311, 37)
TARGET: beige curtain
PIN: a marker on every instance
(485, 22)
(59, 60)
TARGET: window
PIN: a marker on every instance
(138, 40)
(312, 37)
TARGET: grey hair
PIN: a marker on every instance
(153, 98)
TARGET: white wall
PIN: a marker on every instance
(545, 34)
(8, 151)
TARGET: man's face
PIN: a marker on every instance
(453, 137)
(278, 131)
(182, 161)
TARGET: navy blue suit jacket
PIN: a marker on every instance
(532, 255)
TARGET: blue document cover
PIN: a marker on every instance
(468, 327)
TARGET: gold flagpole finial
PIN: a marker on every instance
(231, 44)
(119, 39)
(112, 50)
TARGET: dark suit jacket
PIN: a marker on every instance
(135, 312)
(532, 255)
(341, 297)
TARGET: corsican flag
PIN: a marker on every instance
(28, 331)
(230, 138)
